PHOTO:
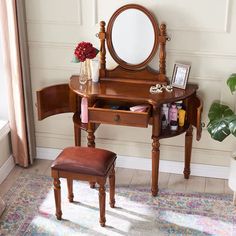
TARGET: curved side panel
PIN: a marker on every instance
(54, 100)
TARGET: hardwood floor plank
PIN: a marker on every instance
(227, 188)
(141, 177)
(177, 182)
(214, 185)
(48, 170)
(11, 178)
(124, 176)
(39, 167)
(163, 180)
(196, 184)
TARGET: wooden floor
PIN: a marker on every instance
(130, 177)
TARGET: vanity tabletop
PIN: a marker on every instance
(126, 91)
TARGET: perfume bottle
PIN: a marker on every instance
(165, 111)
(84, 110)
(173, 113)
(164, 123)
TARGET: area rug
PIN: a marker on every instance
(30, 211)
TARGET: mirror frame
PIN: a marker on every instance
(111, 49)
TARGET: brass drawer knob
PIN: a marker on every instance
(116, 118)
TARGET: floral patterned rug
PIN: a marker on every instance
(30, 211)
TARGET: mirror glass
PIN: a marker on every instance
(133, 36)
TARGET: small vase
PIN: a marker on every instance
(95, 71)
(85, 71)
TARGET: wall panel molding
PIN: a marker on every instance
(204, 54)
(54, 22)
(78, 20)
(95, 12)
(40, 44)
(225, 28)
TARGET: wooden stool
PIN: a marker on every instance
(84, 163)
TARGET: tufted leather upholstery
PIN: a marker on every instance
(84, 160)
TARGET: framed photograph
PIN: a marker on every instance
(180, 75)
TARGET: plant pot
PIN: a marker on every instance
(232, 176)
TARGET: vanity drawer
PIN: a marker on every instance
(102, 113)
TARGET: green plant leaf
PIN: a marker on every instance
(218, 129)
(232, 125)
(231, 82)
(218, 111)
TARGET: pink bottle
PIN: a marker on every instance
(84, 110)
(173, 113)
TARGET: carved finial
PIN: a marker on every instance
(102, 23)
(163, 29)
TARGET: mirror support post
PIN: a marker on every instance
(162, 55)
(102, 37)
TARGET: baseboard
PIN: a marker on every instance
(6, 168)
(145, 164)
(4, 128)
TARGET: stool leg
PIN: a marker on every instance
(112, 188)
(57, 195)
(91, 143)
(102, 203)
(70, 189)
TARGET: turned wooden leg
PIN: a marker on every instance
(112, 188)
(91, 136)
(70, 189)
(188, 151)
(91, 143)
(102, 203)
(155, 165)
(77, 135)
(57, 195)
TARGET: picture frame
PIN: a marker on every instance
(180, 75)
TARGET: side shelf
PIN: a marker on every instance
(167, 133)
(54, 100)
(194, 106)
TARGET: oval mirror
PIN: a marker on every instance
(132, 36)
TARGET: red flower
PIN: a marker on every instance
(85, 50)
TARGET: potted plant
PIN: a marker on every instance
(223, 123)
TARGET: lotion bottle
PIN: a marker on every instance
(84, 110)
(182, 114)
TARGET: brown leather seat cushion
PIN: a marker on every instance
(84, 160)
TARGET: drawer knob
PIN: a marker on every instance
(116, 118)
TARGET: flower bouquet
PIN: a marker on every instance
(83, 53)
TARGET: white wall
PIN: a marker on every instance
(203, 33)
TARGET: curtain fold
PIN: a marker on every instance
(16, 70)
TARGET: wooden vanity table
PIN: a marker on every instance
(127, 85)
